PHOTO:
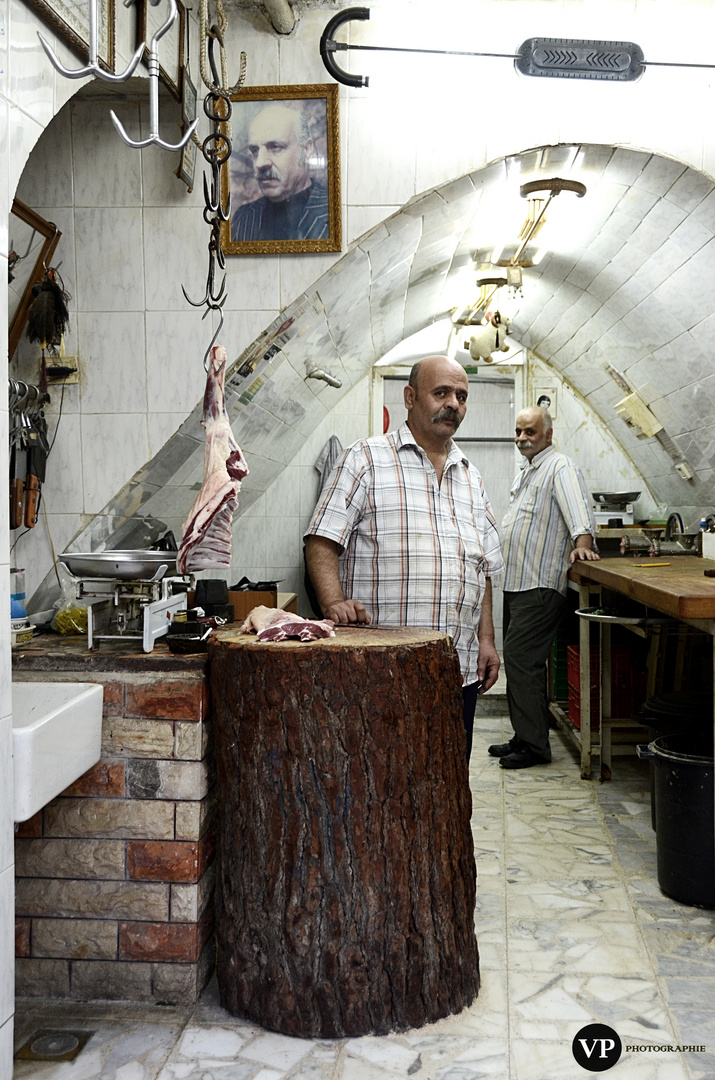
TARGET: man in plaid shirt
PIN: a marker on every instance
(419, 544)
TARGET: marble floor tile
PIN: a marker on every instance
(576, 945)
(279, 1051)
(115, 1051)
(572, 929)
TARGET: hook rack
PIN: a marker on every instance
(153, 65)
(216, 149)
(93, 67)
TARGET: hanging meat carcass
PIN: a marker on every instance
(206, 537)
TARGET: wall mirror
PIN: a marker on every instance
(32, 243)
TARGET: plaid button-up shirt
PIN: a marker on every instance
(549, 508)
(416, 553)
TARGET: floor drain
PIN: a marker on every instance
(49, 1045)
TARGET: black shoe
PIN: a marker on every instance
(523, 758)
(503, 748)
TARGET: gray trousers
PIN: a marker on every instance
(530, 621)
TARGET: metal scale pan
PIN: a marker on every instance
(139, 565)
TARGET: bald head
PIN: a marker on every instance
(429, 364)
(436, 401)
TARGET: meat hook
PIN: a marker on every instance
(214, 299)
(93, 67)
(213, 201)
(153, 65)
(207, 354)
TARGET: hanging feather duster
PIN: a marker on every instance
(48, 316)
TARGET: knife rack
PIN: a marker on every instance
(28, 451)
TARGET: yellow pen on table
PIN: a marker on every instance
(648, 564)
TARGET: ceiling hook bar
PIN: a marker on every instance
(328, 46)
(93, 67)
(153, 65)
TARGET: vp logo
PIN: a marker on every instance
(596, 1047)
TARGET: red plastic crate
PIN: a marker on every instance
(628, 684)
(575, 708)
(573, 668)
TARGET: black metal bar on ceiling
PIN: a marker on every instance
(561, 58)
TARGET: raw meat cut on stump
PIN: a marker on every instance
(346, 877)
(275, 624)
(206, 536)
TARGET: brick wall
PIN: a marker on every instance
(114, 877)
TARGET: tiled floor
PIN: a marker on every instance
(572, 930)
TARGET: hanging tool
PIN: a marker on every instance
(20, 422)
(153, 65)
(29, 450)
(16, 484)
(93, 67)
(216, 149)
(37, 453)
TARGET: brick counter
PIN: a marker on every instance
(114, 877)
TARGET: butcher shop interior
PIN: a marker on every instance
(238, 839)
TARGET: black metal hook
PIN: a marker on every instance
(328, 46)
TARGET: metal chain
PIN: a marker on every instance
(216, 149)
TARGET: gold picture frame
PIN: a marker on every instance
(40, 237)
(312, 222)
(70, 21)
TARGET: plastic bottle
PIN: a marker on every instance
(17, 594)
(703, 529)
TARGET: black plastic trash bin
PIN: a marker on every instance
(670, 714)
(682, 773)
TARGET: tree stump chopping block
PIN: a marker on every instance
(347, 881)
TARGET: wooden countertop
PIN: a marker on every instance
(679, 589)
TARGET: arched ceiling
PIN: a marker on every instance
(621, 300)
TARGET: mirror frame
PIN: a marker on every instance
(52, 235)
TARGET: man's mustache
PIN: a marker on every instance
(525, 445)
(267, 173)
(447, 414)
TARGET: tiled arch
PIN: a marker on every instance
(633, 291)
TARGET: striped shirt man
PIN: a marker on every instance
(416, 552)
(549, 508)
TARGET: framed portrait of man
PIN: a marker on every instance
(283, 175)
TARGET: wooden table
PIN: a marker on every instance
(679, 590)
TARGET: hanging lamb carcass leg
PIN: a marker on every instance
(206, 536)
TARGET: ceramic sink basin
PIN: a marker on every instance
(56, 737)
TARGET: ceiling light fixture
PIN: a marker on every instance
(473, 313)
(556, 58)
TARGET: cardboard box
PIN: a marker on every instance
(245, 601)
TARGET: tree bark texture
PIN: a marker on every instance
(346, 884)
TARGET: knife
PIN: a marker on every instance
(16, 486)
(36, 469)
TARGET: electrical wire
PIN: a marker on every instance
(59, 415)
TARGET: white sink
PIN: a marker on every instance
(56, 737)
